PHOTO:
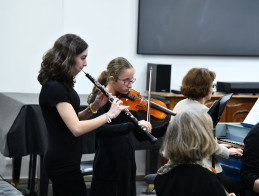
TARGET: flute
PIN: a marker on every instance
(126, 112)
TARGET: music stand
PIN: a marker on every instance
(215, 111)
(217, 108)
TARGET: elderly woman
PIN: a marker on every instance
(188, 140)
(197, 86)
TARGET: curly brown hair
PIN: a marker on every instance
(58, 61)
(197, 83)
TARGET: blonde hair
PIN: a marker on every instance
(189, 138)
(114, 68)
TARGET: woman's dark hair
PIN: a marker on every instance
(197, 83)
(114, 68)
(58, 61)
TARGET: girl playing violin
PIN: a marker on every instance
(114, 169)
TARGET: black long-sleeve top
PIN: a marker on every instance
(250, 163)
(188, 179)
(115, 154)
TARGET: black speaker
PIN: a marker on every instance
(238, 87)
(161, 77)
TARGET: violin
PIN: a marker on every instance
(126, 112)
(137, 103)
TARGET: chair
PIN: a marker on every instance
(149, 179)
(8, 189)
(86, 167)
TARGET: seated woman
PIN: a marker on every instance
(188, 140)
(197, 87)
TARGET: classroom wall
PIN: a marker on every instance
(30, 27)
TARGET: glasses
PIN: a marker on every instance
(214, 86)
(127, 81)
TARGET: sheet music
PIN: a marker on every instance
(253, 116)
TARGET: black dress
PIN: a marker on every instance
(189, 179)
(63, 156)
(114, 169)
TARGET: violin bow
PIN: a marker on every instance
(149, 94)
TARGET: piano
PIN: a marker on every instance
(234, 135)
(232, 143)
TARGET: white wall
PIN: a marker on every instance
(30, 27)
(110, 28)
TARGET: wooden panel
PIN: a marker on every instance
(236, 110)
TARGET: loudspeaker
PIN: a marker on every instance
(161, 77)
(238, 87)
